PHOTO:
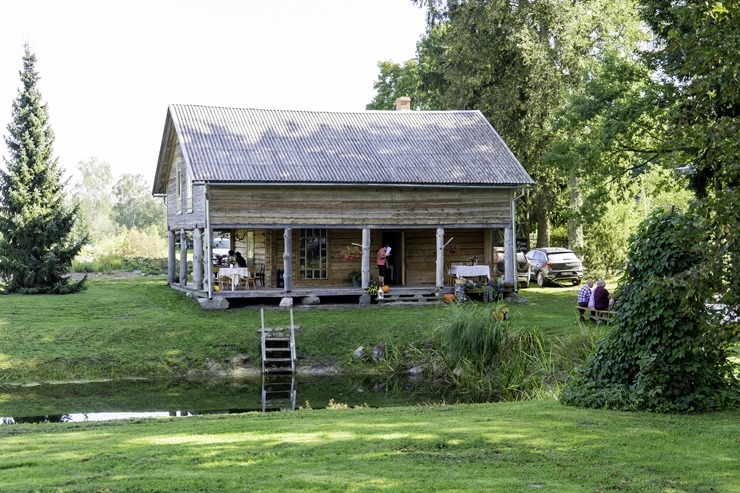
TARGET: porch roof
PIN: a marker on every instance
(241, 145)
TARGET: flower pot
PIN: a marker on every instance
(355, 283)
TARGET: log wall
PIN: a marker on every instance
(337, 206)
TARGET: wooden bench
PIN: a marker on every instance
(598, 316)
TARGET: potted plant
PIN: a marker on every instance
(355, 276)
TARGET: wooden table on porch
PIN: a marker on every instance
(471, 271)
(235, 273)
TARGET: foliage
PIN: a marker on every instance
(698, 57)
(394, 81)
(618, 212)
(92, 193)
(37, 246)
(135, 207)
(115, 252)
(354, 275)
(663, 354)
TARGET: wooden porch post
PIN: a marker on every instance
(183, 258)
(488, 246)
(440, 258)
(170, 257)
(198, 257)
(288, 260)
(365, 258)
(509, 256)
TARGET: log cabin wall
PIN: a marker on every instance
(181, 212)
(334, 206)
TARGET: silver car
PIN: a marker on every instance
(555, 264)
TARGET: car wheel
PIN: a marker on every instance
(576, 282)
(540, 279)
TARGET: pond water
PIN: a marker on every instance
(126, 399)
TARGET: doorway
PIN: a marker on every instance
(394, 271)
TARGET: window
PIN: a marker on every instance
(178, 183)
(312, 255)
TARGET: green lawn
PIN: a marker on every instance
(139, 327)
(508, 447)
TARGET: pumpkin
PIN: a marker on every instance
(386, 288)
(448, 297)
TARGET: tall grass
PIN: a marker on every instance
(486, 359)
(470, 332)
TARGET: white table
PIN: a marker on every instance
(470, 271)
(235, 273)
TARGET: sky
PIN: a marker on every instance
(110, 69)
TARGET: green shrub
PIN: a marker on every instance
(663, 354)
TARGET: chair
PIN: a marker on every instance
(247, 281)
(224, 281)
(260, 276)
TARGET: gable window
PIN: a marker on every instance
(312, 259)
(178, 184)
(188, 191)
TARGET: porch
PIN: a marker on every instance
(327, 294)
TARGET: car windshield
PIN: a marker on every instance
(563, 257)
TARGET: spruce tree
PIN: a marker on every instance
(37, 245)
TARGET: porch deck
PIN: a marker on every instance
(269, 295)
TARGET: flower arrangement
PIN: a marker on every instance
(350, 252)
(474, 260)
(373, 289)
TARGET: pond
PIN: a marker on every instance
(124, 399)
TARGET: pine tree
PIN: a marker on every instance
(36, 246)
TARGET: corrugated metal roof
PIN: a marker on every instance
(393, 147)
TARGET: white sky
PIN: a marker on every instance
(110, 69)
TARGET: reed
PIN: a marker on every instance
(469, 332)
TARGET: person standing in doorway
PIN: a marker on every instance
(382, 262)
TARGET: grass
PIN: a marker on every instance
(139, 327)
(508, 447)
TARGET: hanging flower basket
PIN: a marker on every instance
(350, 252)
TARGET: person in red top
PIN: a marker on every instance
(380, 260)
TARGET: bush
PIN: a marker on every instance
(663, 354)
(132, 249)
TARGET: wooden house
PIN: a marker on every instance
(297, 189)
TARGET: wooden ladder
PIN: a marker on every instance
(278, 391)
(278, 347)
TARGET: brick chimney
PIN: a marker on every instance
(403, 103)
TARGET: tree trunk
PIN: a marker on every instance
(543, 221)
(575, 229)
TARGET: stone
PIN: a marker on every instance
(360, 353)
(217, 303)
(378, 353)
(365, 299)
(286, 302)
(311, 299)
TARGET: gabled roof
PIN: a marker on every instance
(238, 145)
